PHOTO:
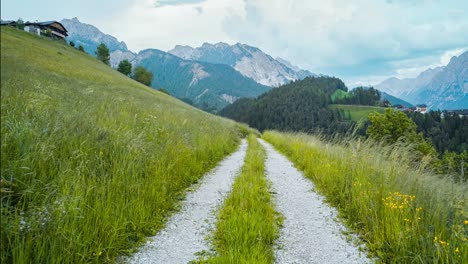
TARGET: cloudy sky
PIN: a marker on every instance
(360, 41)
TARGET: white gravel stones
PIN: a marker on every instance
(185, 232)
(309, 234)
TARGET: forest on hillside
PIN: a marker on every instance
(297, 106)
(324, 105)
(447, 131)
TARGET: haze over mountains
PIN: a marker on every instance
(440, 88)
(215, 75)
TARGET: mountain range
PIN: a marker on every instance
(249, 61)
(213, 75)
(216, 75)
(444, 88)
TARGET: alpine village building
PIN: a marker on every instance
(52, 29)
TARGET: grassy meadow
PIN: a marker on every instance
(91, 161)
(403, 213)
(247, 224)
(339, 94)
(357, 112)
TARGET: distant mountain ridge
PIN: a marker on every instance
(407, 87)
(216, 85)
(444, 88)
(249, 61)
(205, 84)
(90, 37)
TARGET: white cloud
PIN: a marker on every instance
(362, 40)
(147, 24)
(445, 58)
(326, 33)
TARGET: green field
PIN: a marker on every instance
(91, 161)
(339, 94)
(357, 112)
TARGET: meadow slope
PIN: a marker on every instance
(403, 212)
(91, 161)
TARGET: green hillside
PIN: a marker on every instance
(357, 112)
(339, 94)
(297, 106)
(91, 161)
(201, 82)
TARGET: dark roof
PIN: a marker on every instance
(7, 22)
(46, 23)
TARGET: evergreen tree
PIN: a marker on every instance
(72, 44)
(125, 67)
(20, 23)
(102, 53)
(297, 106)
(80, 48)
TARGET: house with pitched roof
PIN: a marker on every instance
(51, 29)
(10, 23)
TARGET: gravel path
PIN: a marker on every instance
(186, 230)
(309, 234)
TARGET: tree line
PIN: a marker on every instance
(304, 106)
(361, 96)
(139, 74)
(297, 106)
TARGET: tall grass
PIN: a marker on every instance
(91, 161)
(247, 223)
(404, 213)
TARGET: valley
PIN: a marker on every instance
(283, 166)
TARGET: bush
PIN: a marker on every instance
(140, 74)
(393, 126)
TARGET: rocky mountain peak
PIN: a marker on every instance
(248, 60)
(440, 88)
(78, 32)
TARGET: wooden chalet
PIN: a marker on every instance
(51, 29)
(10, 23)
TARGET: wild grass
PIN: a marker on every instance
(404, 213)
(91, 161)
(247, 224)
(357, 112)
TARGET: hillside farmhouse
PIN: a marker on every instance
(10, 23)
(51, 29)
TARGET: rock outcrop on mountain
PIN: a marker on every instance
(249, 61)
(205, 84)
(444, 88)
(90, 37)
